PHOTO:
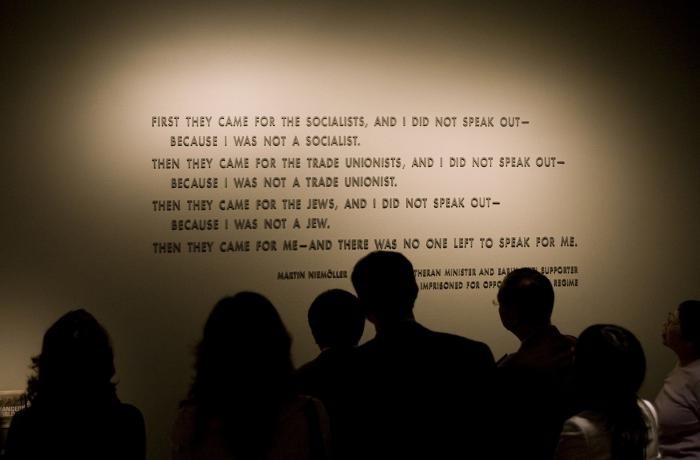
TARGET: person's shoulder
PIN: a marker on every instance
(567, 341)
(298, 406)
(29, 419)
(326, 358)
(447, 349)
(689, 374)
(459, 340)
(309, 368)
(183, 428)
(25, 413)
(23, 418)
(22, 432)
(362, 350)
(463, 344)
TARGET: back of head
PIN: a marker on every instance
(689, 319)
(610, 368)
(76, 362)
(244, 343)
(529, 295)
(386, 285)
(336, 319)
(610, 362)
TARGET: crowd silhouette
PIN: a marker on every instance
(409, 392)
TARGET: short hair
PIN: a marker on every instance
(385, 283)
(530, 293)
(336, 319)
(689, 320)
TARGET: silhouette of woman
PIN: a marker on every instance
(74, 410)
(242, 404)
(609, 368)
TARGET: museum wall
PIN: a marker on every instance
(156, 158)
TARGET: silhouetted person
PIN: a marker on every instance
(75, 412)
(337, 322)
(614, 424)
(536, 382)
(242, 403)
(678, 401)
(420, 394)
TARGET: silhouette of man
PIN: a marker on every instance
(419, 393)
(535, 382)
(337, 322)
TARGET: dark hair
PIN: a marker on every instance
(336, 319)
(243, 372)
(385, 284)
(530, 293)
(689, 319)
(610, 367)
(76, 364)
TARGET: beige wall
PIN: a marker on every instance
(607, 92)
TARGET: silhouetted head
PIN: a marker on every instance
(681, 331)
(609, 364)
(76, 361)
(525, 299)
(689, 319)
(386, 286)
(336, 319)
(244, 340)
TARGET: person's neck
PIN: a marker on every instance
(382, 327)
(525, 333)
(685, 358)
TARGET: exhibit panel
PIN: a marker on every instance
(156, 160)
